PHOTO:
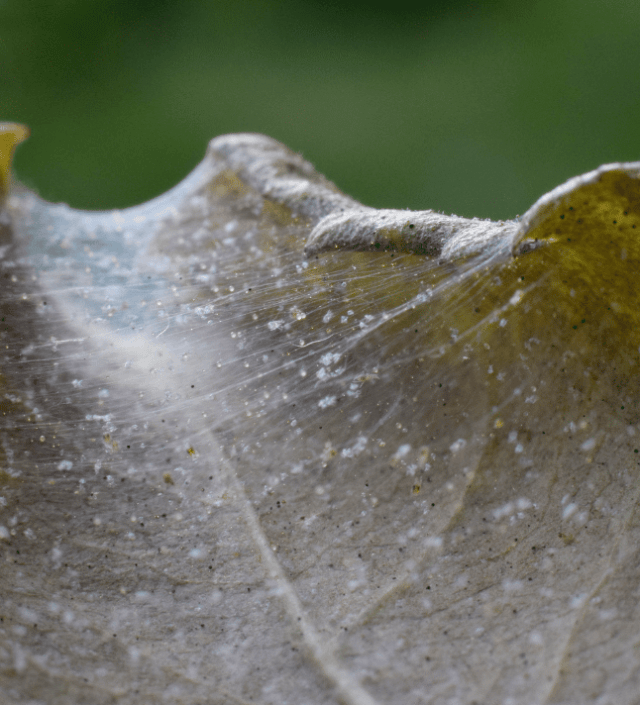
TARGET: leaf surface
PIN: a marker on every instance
(262, 444)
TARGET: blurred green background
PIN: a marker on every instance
(475, 108)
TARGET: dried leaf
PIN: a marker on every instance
(263, 444)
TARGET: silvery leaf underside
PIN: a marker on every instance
(262, 444)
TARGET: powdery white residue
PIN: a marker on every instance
(355, 449)
(457, 445)
(504, 511)
(402, 450)
(577, 601)
(327, 401)
(515, 299)
(329, 359)
(203, 311)
(365, 321)
(589, 444)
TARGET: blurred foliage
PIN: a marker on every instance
(466, 107)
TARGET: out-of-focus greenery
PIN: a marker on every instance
(475, 108)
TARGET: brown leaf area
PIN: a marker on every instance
(356, 475)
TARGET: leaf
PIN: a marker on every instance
(248, 455)
(11, 134)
